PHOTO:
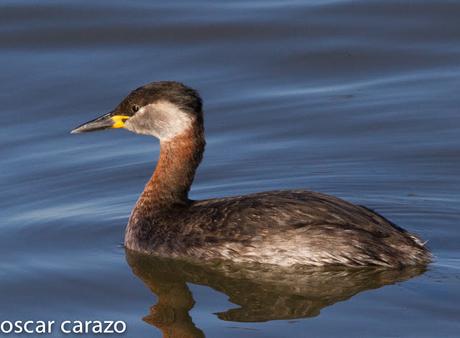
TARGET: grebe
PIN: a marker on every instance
(278, 227)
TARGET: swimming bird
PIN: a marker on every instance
(278, 227)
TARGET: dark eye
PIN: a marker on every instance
(135, 108)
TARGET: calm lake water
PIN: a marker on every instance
(358, 99)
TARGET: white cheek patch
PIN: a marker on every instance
(161, 119)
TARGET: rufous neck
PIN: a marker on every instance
(176, 167)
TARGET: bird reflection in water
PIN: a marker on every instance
(262, 292)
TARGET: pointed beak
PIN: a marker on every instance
(107, 121)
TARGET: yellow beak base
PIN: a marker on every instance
(119, 121)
